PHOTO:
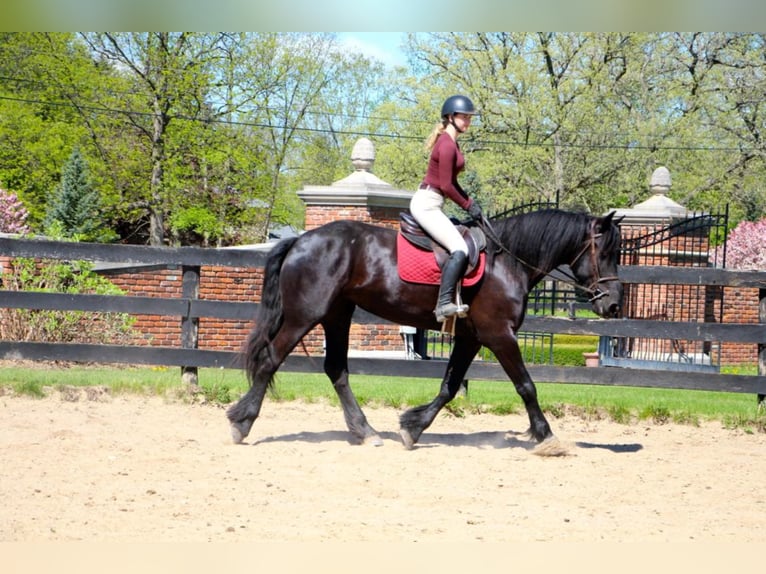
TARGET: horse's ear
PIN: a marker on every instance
(609, 220)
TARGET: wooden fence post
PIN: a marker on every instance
(190, 325)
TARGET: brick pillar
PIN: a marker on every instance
(665, 302)
(361, 197)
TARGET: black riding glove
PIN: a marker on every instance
(474, 210)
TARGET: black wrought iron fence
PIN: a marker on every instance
(690, 241)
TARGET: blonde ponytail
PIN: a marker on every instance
(435, 133)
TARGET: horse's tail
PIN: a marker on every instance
(269, 316)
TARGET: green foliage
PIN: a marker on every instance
(61, 326)
(239, 122)
(74, 211)
(218, 392)
(619, 413)
(29, 388)
(658, 414)
(624, 405)
(36, 132)
(199, 221)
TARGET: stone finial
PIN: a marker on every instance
(363, 155)
(659, 208)
(660, 182)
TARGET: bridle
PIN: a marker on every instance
(593, 288)
(589, 248)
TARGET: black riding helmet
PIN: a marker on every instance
(457, 105)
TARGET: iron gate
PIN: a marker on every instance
(687, 242)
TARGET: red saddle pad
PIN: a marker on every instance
(419, 266)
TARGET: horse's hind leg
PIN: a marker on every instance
(242, 414)
(336, 368)
(414, 421)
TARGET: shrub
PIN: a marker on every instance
(61, 326)
(13, 214)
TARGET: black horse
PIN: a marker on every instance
(320, 277)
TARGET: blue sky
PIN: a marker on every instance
(383, 46)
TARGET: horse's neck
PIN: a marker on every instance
(537, 267)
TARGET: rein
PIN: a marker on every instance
(591, 289)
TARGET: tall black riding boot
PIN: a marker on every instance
(451, 273)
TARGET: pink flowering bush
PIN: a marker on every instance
(746, 246)
(13, 214)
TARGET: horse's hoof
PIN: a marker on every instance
(527, 435)
(373, 440)
(237, 436)
(409, 442)
(551, 446)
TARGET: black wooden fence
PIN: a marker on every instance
(189, 309)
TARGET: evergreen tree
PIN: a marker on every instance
(74, 209)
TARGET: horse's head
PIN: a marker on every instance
(595, 266)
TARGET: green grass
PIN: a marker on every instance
(567, 350)
(222, 386)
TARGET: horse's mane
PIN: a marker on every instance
(539, 237)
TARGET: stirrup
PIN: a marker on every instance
(451, 309)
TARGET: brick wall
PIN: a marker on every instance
(318, 215)
(244, 284)
(216, 283)
(235, 284)
(740, 306)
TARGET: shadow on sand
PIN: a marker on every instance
(483, 439)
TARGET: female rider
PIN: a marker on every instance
(440, 182)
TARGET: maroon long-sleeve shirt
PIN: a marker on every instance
(444, 165)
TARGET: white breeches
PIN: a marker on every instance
(426, 208)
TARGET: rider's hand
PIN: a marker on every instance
(474, 210)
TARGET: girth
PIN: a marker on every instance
(474, 238)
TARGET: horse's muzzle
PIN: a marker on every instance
(607, 301)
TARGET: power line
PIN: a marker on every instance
(631, 139)
(484, 142)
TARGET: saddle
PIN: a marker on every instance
(474, 237)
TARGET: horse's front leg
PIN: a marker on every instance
(509, 356)
(414, 421)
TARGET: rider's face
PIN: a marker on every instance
(462, 121)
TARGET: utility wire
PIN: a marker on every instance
(476, 142)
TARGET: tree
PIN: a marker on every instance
(38, 129)
(303, 118)
(558, 112)
(179, 129)
(588, 117)
(74, 210)
(746, 246)
(169, 71)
